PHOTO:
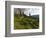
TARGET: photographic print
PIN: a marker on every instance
(24, 18)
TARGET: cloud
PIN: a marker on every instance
(32, 11)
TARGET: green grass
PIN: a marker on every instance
(24, 22)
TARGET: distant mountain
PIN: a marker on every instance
(35, 16)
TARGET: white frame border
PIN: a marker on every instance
(24, 31)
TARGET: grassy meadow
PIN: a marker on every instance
(26, 22)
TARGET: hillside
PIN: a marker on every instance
(26, 22)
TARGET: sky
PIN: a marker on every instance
(32, 11)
